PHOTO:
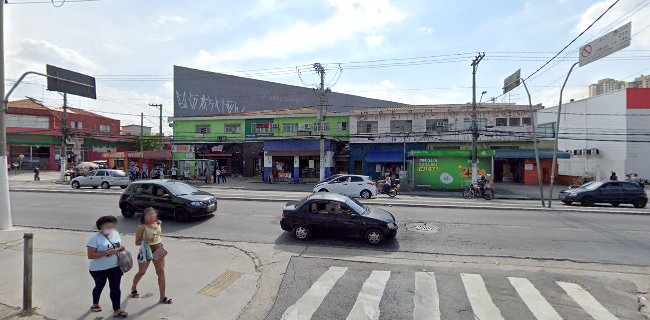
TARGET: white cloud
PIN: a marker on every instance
(374, 40)
(34, 54)
(171, 19)
(549, 97)
(349, 19)
(114, 48)
(426, 30)
(384, 90)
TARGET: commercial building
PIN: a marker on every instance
(604, 134)
(135, 130)
(34, 131)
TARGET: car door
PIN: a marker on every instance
(338, 185)
(356, 185)
(161, 200)
(609, 192)
(318, 217)
(345, 221)
(142, 196)
(94, 179)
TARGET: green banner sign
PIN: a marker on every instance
(447, 172)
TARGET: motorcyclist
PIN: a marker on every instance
(388, 183)
(482, 182)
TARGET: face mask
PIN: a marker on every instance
(107, 232)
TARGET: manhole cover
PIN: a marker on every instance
(421, 227)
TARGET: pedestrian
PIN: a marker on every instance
(148, 235)
(613, 177)
(214, 172)
(196, 173)
(218, 174)
(174, 173)
(223, 175)
(186, 174)
(145, 171)
(162, 173)
(102, 249)
(37, 173)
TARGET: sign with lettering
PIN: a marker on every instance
(606, 45)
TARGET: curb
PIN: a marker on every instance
(377, 203)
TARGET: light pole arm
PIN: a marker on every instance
(20, 79)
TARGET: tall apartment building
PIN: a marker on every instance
(608, 85)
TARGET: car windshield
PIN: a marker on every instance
(591, 185)
(179, 188)
(357, 206)
(119, 173)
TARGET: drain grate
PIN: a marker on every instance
(421, 227)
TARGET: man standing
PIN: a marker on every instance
(223, 175)
(174, 172)
(145, 171)
(37, 172)
(218, 174)
(162, 173)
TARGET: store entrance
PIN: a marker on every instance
(509, 170)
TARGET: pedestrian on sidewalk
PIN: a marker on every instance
(162, 173)
(37, 173)
(174, 173)
(223, 175)
(102, 251)
(145, 171)
(149, 231)
(218, 174)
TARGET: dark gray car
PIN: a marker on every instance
(613, 192)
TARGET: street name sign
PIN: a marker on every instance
(605, 45)
(67, 81)
(512, 81)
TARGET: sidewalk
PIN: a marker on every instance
(206, 281)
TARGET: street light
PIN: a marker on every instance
(481, 99)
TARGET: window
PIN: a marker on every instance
(340, 180)
(262, 127)
(502, 122)
(514, 122)
(546, 130)
(527, 121)
(397, 126)
(481, 123)
(343, 126)
(104, 128)
(202, 128)
(290, 127)
(76, 125)
(232, 128)
(119, 173)
(100, 173)
(437, 125)
(356, 179)
(326, 126)
(367, 126)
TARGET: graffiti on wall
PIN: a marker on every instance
(194, 101)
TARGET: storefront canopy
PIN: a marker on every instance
(528, 154)
(385, 157)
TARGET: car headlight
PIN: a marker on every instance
(391, 225)
(197, 204)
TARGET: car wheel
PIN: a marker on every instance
(374, 237)
(640, 202)
(76, 185)
(323, 190)
(128, 211)
(301, 232)
(616, 204)
(567, 202)
(587, 201)
(105, 185)
(123, 187)
(181, 215)
(366, 194)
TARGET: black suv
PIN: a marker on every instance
(614, 192)
(171, 198)
(337, 215)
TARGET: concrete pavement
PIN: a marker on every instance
(207, 280)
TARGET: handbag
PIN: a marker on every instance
(144, 254)
(124, 258)
(159, 254)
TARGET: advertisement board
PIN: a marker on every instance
(448, 170)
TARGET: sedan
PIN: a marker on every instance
(104, 178)
(349, 185)
(613, 192)
(338, 215)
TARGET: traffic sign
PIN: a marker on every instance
(512, 81)
(606, 45)
(78, 84)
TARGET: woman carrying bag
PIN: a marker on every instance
(147, 236)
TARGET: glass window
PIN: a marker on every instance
(481, 122)
(326, 126)
(119, 173)
(104, 128)
(367, 126)
(262, 127)
(290, 127)
(343, 126)
(397, 126)
(514, 122)
(437, 125)
(357, 206)
(502, 122)
(546, 130)
(356, 179)
(318, 207)
(340, 180)
(527, 121)
(232, 128)
(202, 128)
(179, 188)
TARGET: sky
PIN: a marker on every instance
(415, 52)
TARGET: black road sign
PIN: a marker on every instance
(512, 81)
(75, 83)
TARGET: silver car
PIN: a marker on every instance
(104, 178)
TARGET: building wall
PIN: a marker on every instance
(185, 131)
(332, 121)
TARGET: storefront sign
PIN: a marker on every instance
(218, 148)
(528, 167)
(312, 164)
(447, 172)
(121, 155)
(182, 148)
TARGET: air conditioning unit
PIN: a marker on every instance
(595, 151)
(577, 152)
(275, 125)
(587, 151)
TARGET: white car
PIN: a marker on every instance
(104, 178)
(349, 185)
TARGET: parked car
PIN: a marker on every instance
(105, 178)
(171, 198)
(338, 215)
(613, 192)
(349, 185)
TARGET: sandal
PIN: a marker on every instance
(166, 300)
(96, 308)
(135, 294)
(121, 314)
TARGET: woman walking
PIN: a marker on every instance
(148, 236)
(102, 252)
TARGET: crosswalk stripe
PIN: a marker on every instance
(367, 304)
(479, 297)
(586, 301)
(305, 307)
(540, 308)
(426, 300)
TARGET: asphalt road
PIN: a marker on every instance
(583, 237)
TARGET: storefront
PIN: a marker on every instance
(375, 159)
(296, 160)
(447, 169)
(520, 166)
(152, 158)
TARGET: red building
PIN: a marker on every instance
(34, 130)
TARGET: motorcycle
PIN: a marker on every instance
(391, 192)
(474, 191)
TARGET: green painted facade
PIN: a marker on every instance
(185, 131)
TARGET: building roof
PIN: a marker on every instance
(450, 107)
(134, 125)
(297, 112)
(33, 106)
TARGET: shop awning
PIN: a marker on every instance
(305, 153)
(385, 157)
(528, 154)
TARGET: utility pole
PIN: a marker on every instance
(321, 117)
(159, 106)
(141, 132)
(5, 205)
(64, 136)
(475, 131)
